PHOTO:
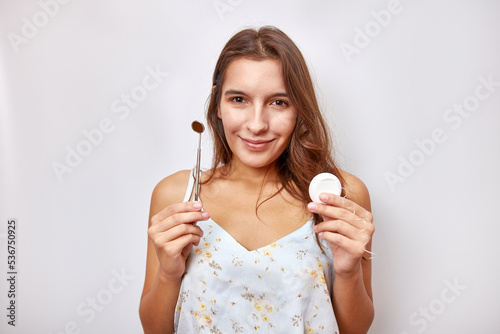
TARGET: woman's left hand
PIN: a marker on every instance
(348, 229)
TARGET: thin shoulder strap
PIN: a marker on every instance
(190, 187)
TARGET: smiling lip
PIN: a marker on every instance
(256, 144)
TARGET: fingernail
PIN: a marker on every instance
(324, 197)
(312, 206)
(205, 215)
(197, 205)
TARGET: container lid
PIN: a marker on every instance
(324, 183)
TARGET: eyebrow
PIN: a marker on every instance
(234, 92)
(239, 92)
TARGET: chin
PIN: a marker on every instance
(258, 162)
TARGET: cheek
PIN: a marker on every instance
(229, 123)
(285, 125)
(231, 118)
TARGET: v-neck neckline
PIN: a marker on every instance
(256, 250)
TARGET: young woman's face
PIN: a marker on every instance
(256, 111)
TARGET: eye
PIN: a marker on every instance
(280, 103)
(237, 99)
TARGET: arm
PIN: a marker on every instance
(171, 238)
(348, 228)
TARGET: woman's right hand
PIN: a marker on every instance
(173, 234)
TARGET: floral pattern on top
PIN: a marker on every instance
(283, 287)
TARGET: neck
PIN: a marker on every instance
(252, 177)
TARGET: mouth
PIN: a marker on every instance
(256, 144)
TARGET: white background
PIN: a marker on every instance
(437, 225)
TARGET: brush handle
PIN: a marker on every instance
(198, 173)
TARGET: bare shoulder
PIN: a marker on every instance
(356, 190)
(170, 190)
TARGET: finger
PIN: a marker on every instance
(187, 250)
(355, 248)
(336, 213)
(175, 248)
(343, 228)
(178, 231)
(347, 204)
(177, 219)
(177, 208)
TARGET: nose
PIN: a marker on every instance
(257, 121)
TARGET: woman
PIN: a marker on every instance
(260, 257)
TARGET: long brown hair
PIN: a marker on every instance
(310, 148)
